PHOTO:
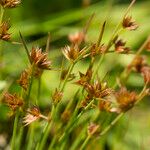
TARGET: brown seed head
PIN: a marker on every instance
(125, 99)
(120, 46)
(97, 50)
(145, 70)
(105, 105)
(10, 3)
(4, 27)
(129, 24)
(13, 101)
(138, 63)
(57, 96)
(32, 115)
(98, 89)
(72, 53)
(85, 78)
(24, 79)
(40, 59)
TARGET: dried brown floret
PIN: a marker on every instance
(105, 105)
(4, 27)
(120, 46)
(97, 50)
(33, 114)
(57, 96)
(129, 24)
(10, 3)
(85, 78)
(24, 79)
(13, 101)
(40, 59)
(145, 70)
(138, 63)
(72, 53)
(125, 99)
(97, 89)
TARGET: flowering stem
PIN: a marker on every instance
(66, 78)
(20, 138)
(46, 131)
(31, 137)
(2, 14)
(98, 65)
(14, 131)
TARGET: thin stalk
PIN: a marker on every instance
(31, 137)
(30, 85)
(25, 46)
(83, 133)
(38, 90)
(48, 43)
(66, 78)
(72, 123)
(2, 14)
(98, 65)
(47, 130)
(101, 34)
(14, 131)
(85, 142)
(20, 136)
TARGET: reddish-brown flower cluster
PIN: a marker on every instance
(73, 53)
(120, 46)
(129, 24)
(140, 65)
(24, 79)
(57, 96)
(97, 50)
(10, 3)
(33, 114)
(4, 27)
(125, 99)
(85, 78)
(13, 101)
(40, 59)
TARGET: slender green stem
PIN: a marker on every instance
(83, 132)
(85, 142)
(14, 131)
(47, 130)
(31, 137)
(39, 90)
(2, 14)
(20, 136)
(98, 65)
(73, 123)
(67, 76)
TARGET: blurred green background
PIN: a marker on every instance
(35, 18)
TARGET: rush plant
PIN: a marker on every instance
(73, 124)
